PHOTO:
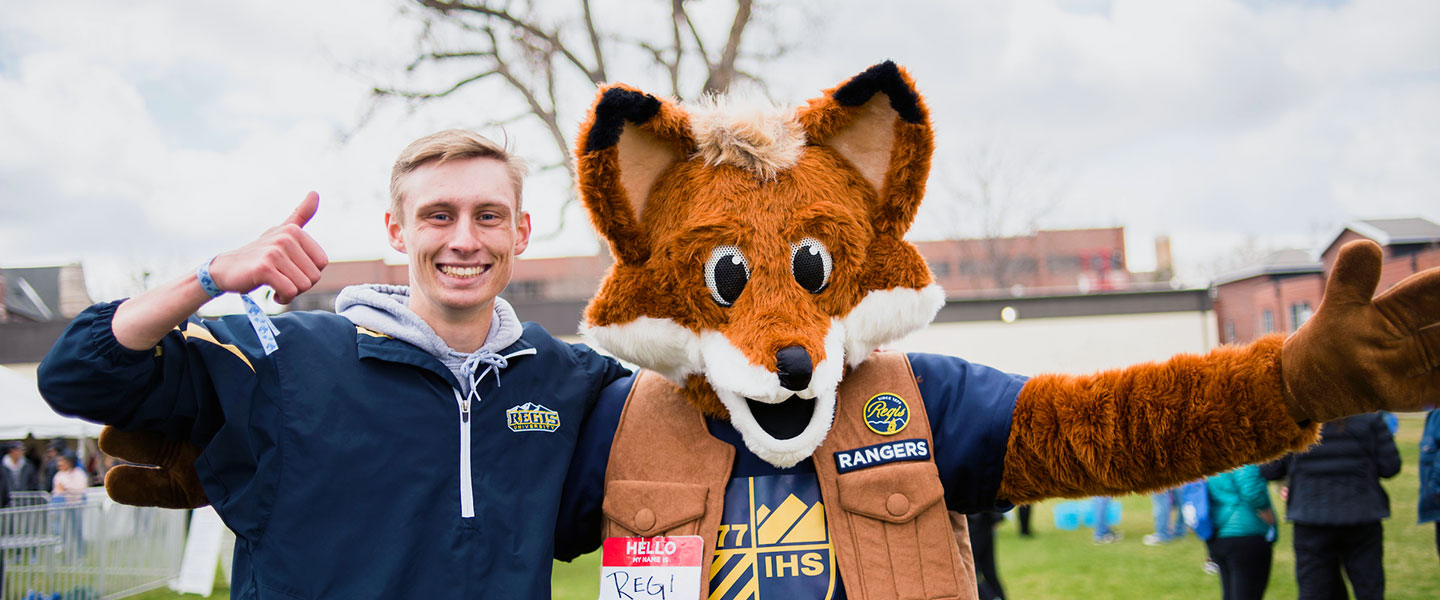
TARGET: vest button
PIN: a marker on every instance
(897, 504)
(644, 519)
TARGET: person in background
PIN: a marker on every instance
(19, 473)
(1244, 522)
(70, 480)
(1022, 518)
(1104, 534)
(1429, 508)
(1336, 503)
(4, 501)
(1164, 503)
(69, 492)
(981, 526)
(50, 464)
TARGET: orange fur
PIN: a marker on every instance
(662, 241)
(1150, 426)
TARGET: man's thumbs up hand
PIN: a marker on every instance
(284, 257)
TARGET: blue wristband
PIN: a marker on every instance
(206, 281)
(265, 330)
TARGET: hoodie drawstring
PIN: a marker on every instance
(494, 362)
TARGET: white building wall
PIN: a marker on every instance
(1068, 344)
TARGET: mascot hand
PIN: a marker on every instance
(170, 483)
(1361, 353)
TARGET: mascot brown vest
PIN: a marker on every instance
(892, 537)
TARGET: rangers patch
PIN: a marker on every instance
(532, 417)
(879, 454)
(886, 414)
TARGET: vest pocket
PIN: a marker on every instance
(651, 508)
(903, 538)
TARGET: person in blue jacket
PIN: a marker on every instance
(1242, 542)
(1337, 503)
(476, 413)
(1429, 508)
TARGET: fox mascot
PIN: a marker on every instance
(760, 262)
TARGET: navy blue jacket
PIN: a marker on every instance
(337, 459)
(1337, 482)
(1429, 509)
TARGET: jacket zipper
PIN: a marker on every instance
(467, 493)
(467, 490)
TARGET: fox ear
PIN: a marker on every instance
(879, 123)
(625, 144)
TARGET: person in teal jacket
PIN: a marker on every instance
(1244, 521)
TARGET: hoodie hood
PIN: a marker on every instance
(386, 309)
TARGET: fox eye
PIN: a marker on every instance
(726, 273)
(810, 263)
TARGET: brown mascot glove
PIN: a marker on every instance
(1360, 352)
(170, 483)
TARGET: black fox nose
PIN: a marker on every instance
(793, 362)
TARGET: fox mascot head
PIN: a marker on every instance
(759, 252)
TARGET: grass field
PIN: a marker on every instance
(1065, 564)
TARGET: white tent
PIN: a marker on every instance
(24, 412)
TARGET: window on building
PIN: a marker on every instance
(1267, 321)
(940, 268)
(1299, 313)
(1229, 333)
(524, 290)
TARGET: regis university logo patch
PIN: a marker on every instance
(886, 414)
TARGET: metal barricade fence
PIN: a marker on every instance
(86, 548)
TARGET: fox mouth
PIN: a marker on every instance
(783, 420)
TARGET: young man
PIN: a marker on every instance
(411, 446)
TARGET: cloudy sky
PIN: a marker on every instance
(151, 135)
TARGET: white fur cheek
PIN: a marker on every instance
(726, 368)
(885, 316)
(660, 345)
(781, 453)
(826, 376)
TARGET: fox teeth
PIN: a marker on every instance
(461, 271)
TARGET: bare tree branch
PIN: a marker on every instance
(444, 56)
(541, 57)
(723, 72)
(594, 43)
(428, 95)
(695, 35)
(594, 73)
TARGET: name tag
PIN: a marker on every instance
(663, 568)
(879, 454)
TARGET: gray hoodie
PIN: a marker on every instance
(386, 309)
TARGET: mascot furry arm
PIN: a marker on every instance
(759, 256)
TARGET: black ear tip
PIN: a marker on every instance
(616, 106)
(884, 77)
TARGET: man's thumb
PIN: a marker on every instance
(305, 211)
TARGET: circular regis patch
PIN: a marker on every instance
(886, 414)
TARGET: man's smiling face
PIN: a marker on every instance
(461, 227)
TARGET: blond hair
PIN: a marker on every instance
(448, 145)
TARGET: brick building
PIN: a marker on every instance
(1280, 293)
(1047, 262)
